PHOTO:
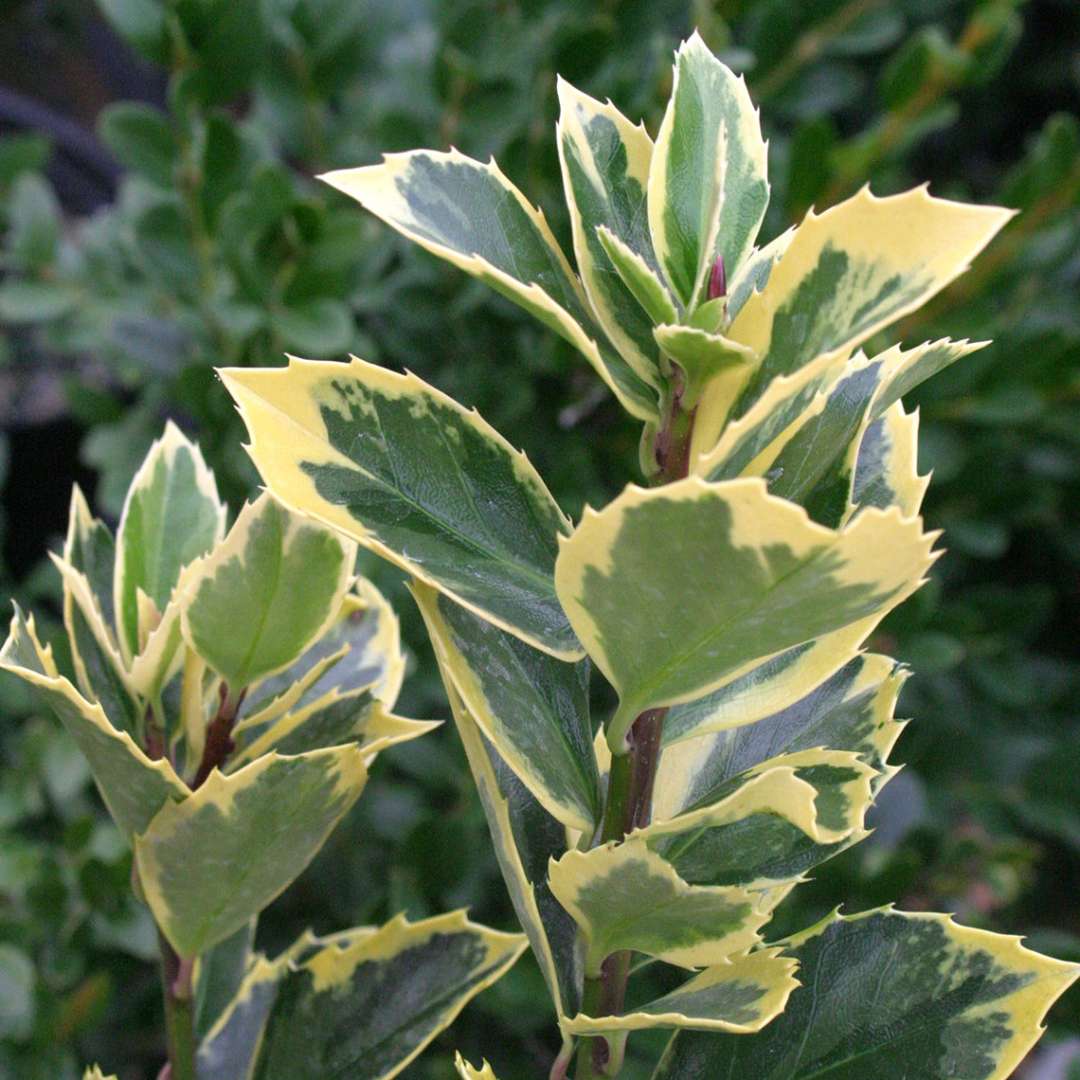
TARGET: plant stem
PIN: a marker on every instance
(628, 804)
(219, 744)
(179, 1013)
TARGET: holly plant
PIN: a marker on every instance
(729, 603)
(231, 691)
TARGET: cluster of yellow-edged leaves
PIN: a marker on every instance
(232, 689)
(738, 598)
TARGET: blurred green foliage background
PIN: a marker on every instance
(160, 217)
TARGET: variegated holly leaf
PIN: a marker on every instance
(94, 1073)
(754, 273)
(850, 711)
(533, 708)
(739, 996)
(605, 170)
(468, 213)
(678, 590)
(90, 548)
(362, 1004)
(812, 461)
(526, 838)
(470, 1072)
(708, 188)
(409, 473)
(171, 516)
(329, 721)
(887, 463)
(769, 687)
(218, 976)
(891, 995)
(99, 667)
(133, 787)
(642, 280)
(770, 824)
(624, 896)
(210, 863)
(704, 357)
(266, 593)
(852, 271)
(365, 642)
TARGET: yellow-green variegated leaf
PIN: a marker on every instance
(704, 357)
(533, 708)
(681, 589)
(133, 787)
(852, 271)
(891, 995)
(171, 516)
(98, 664)
(365, 1004)
(218, 975)
(812, 462)
(90, 548)
(211, 862)
(329, 721)
(470, 1072)
(768, 687)
(605, 170)
(720, 450)
(266, 593)
(851, 711)
(754, 273)
(707, 186)
(409, 473)
(624, 896)
(639, 277)
(368, 631)
(887, 463)
(94, 1073)
(526, 838)
(771, 823)
(468, 213)
(739, 996)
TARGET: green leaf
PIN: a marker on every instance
(891, 995)
(143, 140)
(853, 270)
(219, 973)
(22, 153)
(605, 170)
(739, 996)
(526, 838)
(33, 239)
(266, 593)
(134, 787)
(17, 984)
(743, 576)
(623, 896)
(533, 708)
(365, 1003)
(707, 186)
(25, 301)
(142, 23)
(165, 248)
(171, 516)
(264, 823)
(409, 473)
(469, 214)
(321, 325)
